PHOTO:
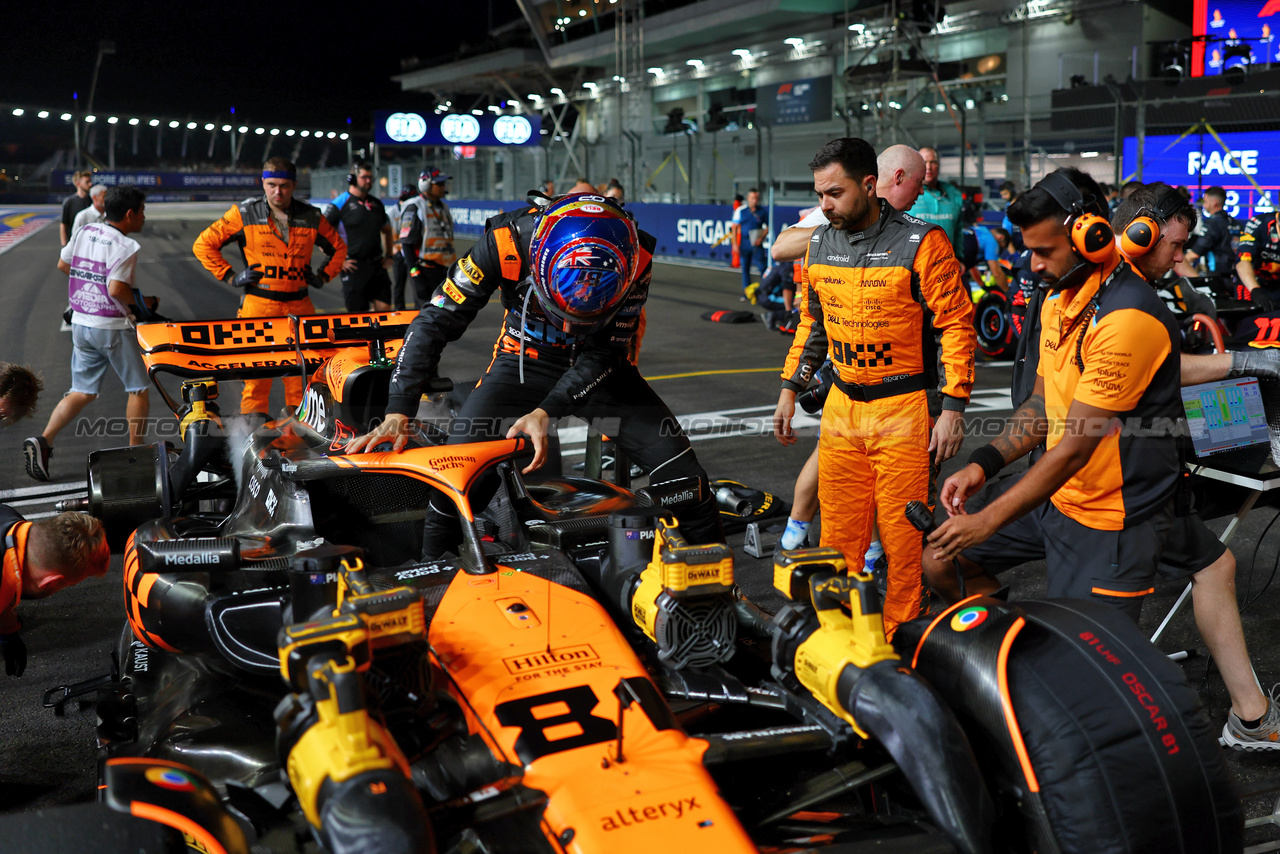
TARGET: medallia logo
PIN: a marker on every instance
(406, 127)
(459, 129)
(512, 130)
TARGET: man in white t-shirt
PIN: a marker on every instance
(95, 212)
(100, 260)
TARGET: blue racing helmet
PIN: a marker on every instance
(584, 257)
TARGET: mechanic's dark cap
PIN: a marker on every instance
(434, 175)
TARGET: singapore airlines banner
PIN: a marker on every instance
(695, 232)
(411, 128)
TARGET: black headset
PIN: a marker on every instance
(359, 167)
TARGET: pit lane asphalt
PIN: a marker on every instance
(47, 760)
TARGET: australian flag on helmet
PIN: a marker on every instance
(583, 253)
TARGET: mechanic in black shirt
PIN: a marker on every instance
(1259, 260)
(1212, 238)
(573, 278)
(362, 214)
(73, 204)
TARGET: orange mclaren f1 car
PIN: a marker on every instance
(292, 677)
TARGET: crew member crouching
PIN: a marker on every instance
(41, 558)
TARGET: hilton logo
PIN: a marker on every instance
(550, 658)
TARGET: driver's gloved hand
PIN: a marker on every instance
(251, 275)
(314, 279)
(1263, 300)
(1264, 364)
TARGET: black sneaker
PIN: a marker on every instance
(37, 452)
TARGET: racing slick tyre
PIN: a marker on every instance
(997, 338)
(1084, 728)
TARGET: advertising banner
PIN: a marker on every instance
(696, 232)
(173, 181)
(410, 128)
(1198, 162)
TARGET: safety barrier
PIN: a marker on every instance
(695, 232)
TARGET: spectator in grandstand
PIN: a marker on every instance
(95, 212)
(75, 203)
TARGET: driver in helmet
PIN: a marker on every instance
(573, 276)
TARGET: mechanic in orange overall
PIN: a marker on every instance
(882, 284)
(39, 559)
(276, 234)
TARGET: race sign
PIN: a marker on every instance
(1198, 162)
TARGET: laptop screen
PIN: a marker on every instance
(1225, 415)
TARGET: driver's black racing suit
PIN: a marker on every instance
(590, 377)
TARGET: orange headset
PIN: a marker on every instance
(1142, 233)
(1091, 235)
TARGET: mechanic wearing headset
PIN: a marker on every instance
(874, 276)
(1108, 348)
(1259, 260)
(39, 559)
(573, 276)
(426, 234)
(276, 234)
(1153, 226)
(363, 216)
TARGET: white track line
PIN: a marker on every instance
(49, 489)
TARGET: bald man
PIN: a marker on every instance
(942, 203)
(899, 182)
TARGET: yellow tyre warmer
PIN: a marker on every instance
(1090, 731)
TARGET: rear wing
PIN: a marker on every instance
(257, 347)
(262, 347)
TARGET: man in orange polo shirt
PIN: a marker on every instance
(1099, 504)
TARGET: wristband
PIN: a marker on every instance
(988, 459)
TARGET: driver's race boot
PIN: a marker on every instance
(441, 533)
